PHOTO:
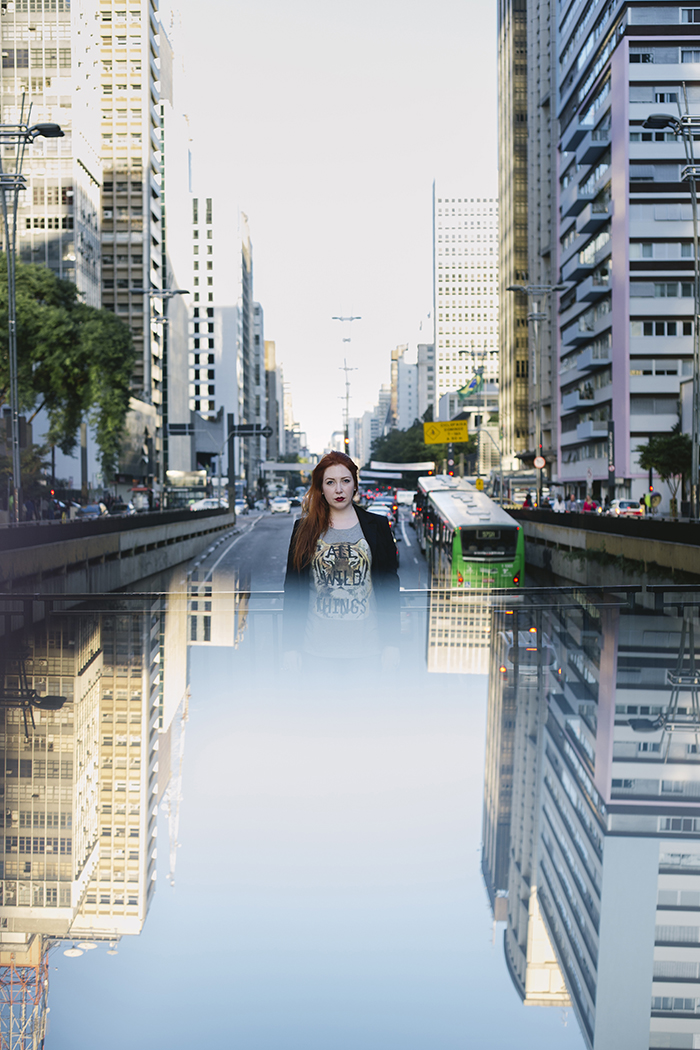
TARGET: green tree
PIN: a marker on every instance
(407, 446)
(670, 455)
(72, 359)
(34, 462)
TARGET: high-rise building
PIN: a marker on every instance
(619, 868)
(513, 244)
(465, 290)
(542, 159)
(624, 235)
(273, 399)
(426, 378)
(50, 775)
(50, 61)
(131, 208)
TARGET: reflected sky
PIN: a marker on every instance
(400, 860)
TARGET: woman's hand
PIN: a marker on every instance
(390, 658)
(291, 661)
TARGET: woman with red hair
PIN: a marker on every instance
(341, 591)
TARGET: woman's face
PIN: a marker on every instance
(338, 486)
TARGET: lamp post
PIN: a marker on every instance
(346, 369)
(165, 295)
(15, 138)
(536, 293)
(686, 126)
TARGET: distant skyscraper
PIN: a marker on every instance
(465, 283)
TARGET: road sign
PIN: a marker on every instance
(539, 462)
(479, 484)
(441, 433)
(251, 430)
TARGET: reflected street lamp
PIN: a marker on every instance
(687, 126)
(535, 294)
(14, 139)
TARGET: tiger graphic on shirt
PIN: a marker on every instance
(342, 580)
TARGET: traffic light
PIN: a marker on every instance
(450, 460)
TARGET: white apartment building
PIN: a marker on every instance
(50, 57)
(465, 290)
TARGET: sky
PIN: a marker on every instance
(328, 891)
(326, 123)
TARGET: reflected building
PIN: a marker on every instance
(522, 654)
(615, 840)
(82, 787)
(459, 632)
(49, 779)
(217, 605)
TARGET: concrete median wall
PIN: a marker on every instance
(589, 556)
(105, 561)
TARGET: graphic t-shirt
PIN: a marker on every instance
(342, 609)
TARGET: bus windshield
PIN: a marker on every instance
(489, 543)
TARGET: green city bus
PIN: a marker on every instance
(471, 542)
(427, 485)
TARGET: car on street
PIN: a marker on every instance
(120, 509)
(280, 505)
(384, 511)
(626, 508)
(241, 506)
(91, 511)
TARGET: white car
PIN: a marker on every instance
(209, 503)
(241, 506)
(280, 505)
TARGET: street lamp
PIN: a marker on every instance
(687, 126)
(15, 138)
(165, 295)
(535, 294)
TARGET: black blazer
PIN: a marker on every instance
(385, 584)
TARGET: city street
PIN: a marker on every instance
(259, 552)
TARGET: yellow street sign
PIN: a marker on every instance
(441, 433)
(479, 484)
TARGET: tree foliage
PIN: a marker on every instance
(72, 359)
(670, 455)
(407, 446)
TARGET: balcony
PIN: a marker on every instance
(575, 399)
(593, 145)
(575, 270)
(593, 357)
(574, 136)
(572, 201)
(592, 288)
(592, 428)
(593, 218)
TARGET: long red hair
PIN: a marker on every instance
(316, 511)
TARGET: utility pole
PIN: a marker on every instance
(346, 369)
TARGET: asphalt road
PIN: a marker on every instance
(259, 552)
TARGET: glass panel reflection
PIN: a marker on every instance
(590, 835)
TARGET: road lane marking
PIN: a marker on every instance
(240, 536)
(403, 530)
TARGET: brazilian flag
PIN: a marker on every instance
(474, 386)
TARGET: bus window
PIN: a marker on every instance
(489, 543)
